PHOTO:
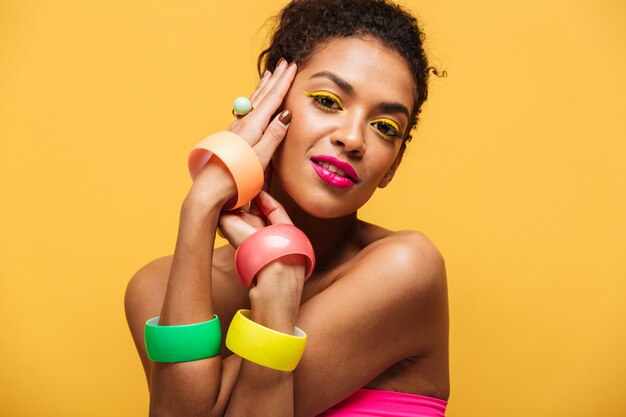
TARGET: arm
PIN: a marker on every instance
(188, 299)
(262, 391)
(275, 300)
(389, 304)
(195, 388)
(338, 359)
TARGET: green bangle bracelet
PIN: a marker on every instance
(188, 342)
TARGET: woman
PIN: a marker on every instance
(343, 86)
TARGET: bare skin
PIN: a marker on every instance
(375, 310)
(424, 373)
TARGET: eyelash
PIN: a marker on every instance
(318, 96)
(388, 125)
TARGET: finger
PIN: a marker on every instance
(266, 76)
(271, 82)
(255, 210)
(255, 122)
(284, 77)
(267, 82)
(245, 208)
(272, 209)
(235, 229)
(267, 177)
(272, 137)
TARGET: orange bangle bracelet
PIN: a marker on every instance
(239, 158)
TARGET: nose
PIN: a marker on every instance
(350, 136)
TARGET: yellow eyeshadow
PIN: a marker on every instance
(389, 122)
(324, 94)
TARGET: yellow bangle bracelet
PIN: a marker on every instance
(264, 346)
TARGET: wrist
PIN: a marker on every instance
(276, 245)
(212, 187)
(279, 316)
(200, 208)
(235, 158)
(275, 299)
(282, 279)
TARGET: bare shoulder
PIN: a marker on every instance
(404, 274)
(150, 278)
(418, 272)
(411, 256)
(386, 305)
(143, 300)
(146, 291)
(147, 286)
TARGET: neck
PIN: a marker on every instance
(330, 238)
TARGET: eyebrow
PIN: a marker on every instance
(341, 83)
(348, 89)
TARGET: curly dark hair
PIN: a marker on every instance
(304, 24)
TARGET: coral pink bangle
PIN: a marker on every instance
(238, 156)
(269, 244)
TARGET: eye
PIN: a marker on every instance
(387, 129)
(325, 101)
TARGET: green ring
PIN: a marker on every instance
(242, 106)
(188, 342)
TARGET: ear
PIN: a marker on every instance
(392, 170)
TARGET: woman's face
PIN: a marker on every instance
(350, 106)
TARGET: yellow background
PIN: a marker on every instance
(517, 173)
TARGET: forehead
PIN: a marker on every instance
(370, 67)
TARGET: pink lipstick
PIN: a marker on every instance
(335, 172)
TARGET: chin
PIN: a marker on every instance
(305, 192)
(322, 204)
(324, 212)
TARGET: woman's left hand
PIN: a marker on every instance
(276, 297)
(264, 210)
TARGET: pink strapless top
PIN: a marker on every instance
(374, 403)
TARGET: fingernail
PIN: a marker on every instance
(266, 74)
(292, 64)
(280, 62)
(285, 117)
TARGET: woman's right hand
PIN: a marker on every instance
(257, 128)
(189, 294)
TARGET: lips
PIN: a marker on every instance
(335, 172)
(337, 166)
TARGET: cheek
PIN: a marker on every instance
(308, 126)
